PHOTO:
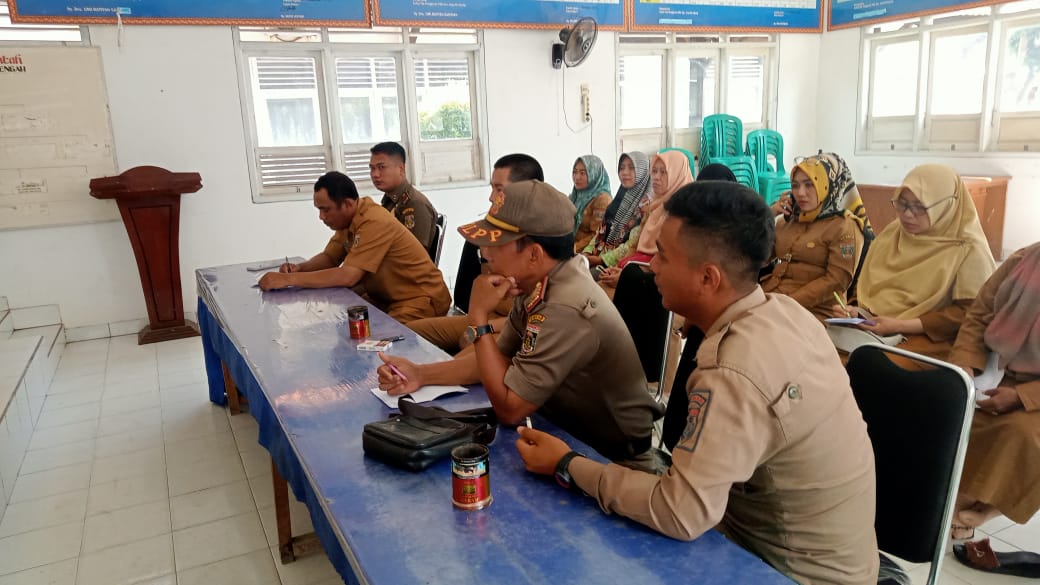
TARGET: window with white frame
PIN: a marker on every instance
(669, 82)
(318, 99)
(38, 33)
(962, 81)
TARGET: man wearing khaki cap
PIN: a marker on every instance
(564, 349)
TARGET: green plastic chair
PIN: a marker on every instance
(743, 168)
(721, 138)
(773, 181)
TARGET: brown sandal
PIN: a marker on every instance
(980, 556)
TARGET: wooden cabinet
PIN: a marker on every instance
(988, 193)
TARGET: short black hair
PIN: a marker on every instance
(339, 187)
(522, 167)
(556, 247)
(391, 149)
(733, 222)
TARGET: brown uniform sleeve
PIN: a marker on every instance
(509, 338)
(372, 241)
(970, 348)
(724, 441)
(1029, 393)
(555, 341)
(942, 324)
(335, 248)
(844, 243)
(423, 219)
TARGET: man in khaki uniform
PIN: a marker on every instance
(447, 333)
(369, 248)
(562, 339)
(775, 453)
(386, 168)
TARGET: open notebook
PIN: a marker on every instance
(424, 394)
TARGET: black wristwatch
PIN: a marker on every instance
(475, 333)
(562, 475)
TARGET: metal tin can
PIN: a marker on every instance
(357, 317)
(470, 482)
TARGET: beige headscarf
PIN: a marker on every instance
(906, 275)
(679, 175)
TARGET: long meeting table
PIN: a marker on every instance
(290, 356)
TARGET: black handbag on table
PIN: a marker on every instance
(422, 435)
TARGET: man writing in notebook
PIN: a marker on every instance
(775, 453)
(561, 340)
(369, 248)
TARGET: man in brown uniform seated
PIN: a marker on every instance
(386, 168)
(562, 339)
(775, 453)
(369, 248)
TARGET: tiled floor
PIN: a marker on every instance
(133, 477)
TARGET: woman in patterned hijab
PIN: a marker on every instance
(614, 239)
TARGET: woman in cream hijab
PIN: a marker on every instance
(923, 272)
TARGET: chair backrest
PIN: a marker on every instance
(678, 409)
(722, 135)
(639, 303)
(743, 168)
(761, 144)
(469, 270)
(438, 239)
(918, 422)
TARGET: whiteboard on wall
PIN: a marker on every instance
(54, 137)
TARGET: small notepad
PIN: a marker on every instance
(424, 394)
(849, 321)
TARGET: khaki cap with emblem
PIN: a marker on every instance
(526, 208)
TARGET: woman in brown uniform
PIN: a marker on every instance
(923, 272)
(1002, 465)
(818, 244)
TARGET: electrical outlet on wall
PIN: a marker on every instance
(586, 109)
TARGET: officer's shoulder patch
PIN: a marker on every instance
(696, 417)
(530, 338)
(536, 318)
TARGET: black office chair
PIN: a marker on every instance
(438, 239)
(918, 422)
(639, 303)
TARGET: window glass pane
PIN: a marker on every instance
(745, 92)
(1013, 7)
(365, 84)
(1021, 85)
(641, 87)
(694, 90)
(285, 101)
(894, 87)
(958, 74)
(443, 98)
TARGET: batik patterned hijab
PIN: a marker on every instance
(1014, 332)
(626, 201)
(835, 191)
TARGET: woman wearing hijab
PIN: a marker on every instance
(591, 197)
(615, 240)
(923, 272)
(716, 172)
(818, 244)
(1002, 464)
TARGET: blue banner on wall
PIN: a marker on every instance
(258, 12)
(850, 13)
(609, 14)
(742, 15)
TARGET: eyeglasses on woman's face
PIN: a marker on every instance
(916, 209)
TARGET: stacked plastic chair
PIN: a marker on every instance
(721, 139)
(772, 181)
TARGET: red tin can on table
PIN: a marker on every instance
(357, 317)
(470, 479)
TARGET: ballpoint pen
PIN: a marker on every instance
(842, 304)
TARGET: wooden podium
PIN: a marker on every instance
(149, 200)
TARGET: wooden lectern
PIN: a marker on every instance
(149, 200)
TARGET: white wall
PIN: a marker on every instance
(173, 95)
(797, 94)
(836, 131)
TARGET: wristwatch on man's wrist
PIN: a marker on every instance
(562, 474)
(475, 333)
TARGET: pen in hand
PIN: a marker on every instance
(400, 374)
(841, 303)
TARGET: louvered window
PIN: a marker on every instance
(299, 92)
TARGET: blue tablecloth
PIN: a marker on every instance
(308, 387)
